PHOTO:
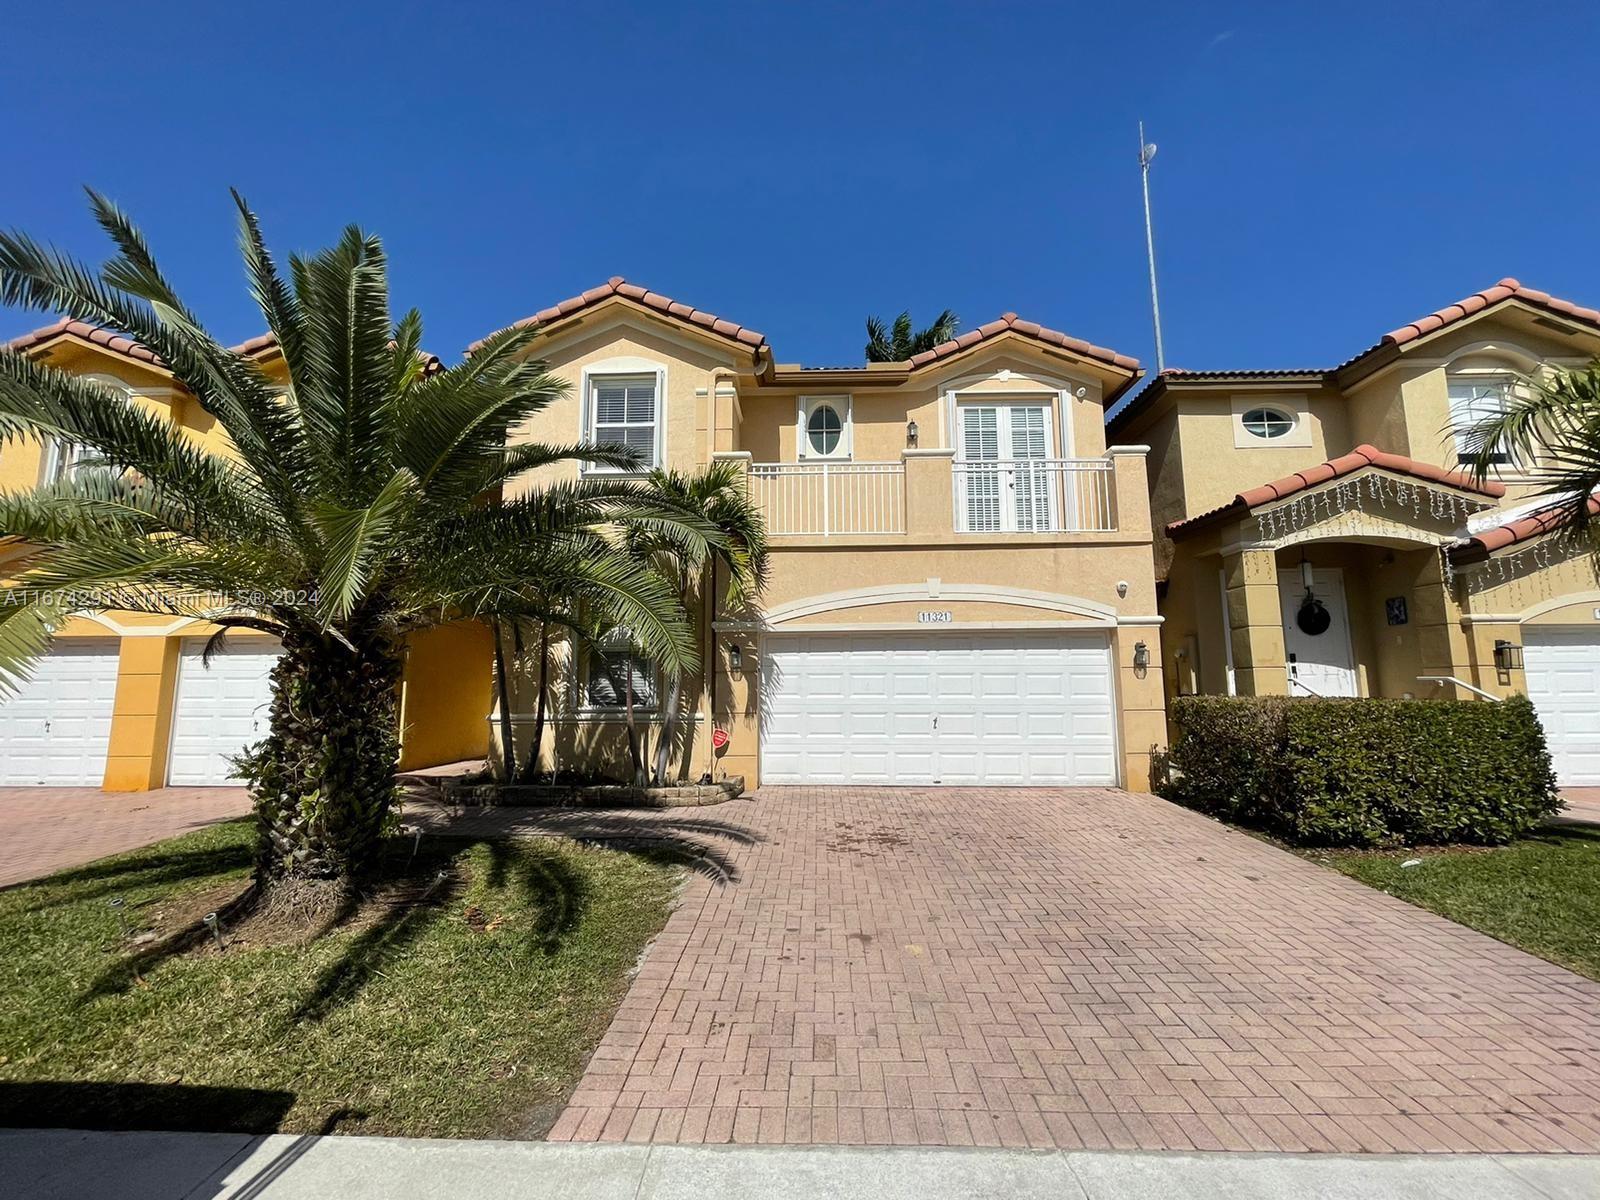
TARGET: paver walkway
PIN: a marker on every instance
(49, 829)
(1065, 968)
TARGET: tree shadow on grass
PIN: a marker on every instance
(128, 873)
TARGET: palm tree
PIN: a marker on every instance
(896, 343)
(738, 553)
(351, 513)
(1551, 423)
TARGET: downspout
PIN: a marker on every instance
(709, 667)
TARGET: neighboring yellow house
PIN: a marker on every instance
(961, 589)
(1321, 537)
(123, 700)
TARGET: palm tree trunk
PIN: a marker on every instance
(508, 745)
(530, 769)
(322, 782)
(635, 753)
(669, 714)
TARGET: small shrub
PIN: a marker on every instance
(1364, 772)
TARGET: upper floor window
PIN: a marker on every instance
(625, 410)
(825, 427)
(1473, 401)
(59, 459)
(1267, 423)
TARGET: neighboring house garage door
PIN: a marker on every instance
(1563, 667)
(56, 729)
(221, 709)
(951, 708)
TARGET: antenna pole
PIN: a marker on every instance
(1146, 153)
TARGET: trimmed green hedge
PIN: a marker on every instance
(1363, 772)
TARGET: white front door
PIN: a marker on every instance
(1319, 664)
(56, 729)
(1563, 670)
(1017, 708)
(1005, 484)
(220, 709)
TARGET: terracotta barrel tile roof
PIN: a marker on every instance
(1360, 458)
(1010, 322)
(1523, 529)
(105, 338)
(618, 286)
(1478, 301)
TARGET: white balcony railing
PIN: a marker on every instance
(1035, 495)
(826, 498)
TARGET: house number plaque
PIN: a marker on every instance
(934, 616)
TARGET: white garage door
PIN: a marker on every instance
(57, 728)
(221, 709)
(949, 708)
(1563, 665)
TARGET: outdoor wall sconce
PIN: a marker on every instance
(911, 435)
(1141, 656)
(1507, 655)
(735, 658)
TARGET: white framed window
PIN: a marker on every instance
(625, 410)
(824, 427)
(610, 668)
(59, 459)
(1473, 400)
(1267, 423)
(1271, 421)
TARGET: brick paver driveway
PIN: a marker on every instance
(49, 829)
(1077, 969)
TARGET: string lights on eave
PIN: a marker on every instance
(1353, 496)
(1552, 549)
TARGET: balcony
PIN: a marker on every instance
(928, 495)
(1035, 495)
(824, 499)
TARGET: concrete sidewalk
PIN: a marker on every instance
(63, 1164)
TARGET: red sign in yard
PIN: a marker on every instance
(719, 739)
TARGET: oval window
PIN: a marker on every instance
(1267, 422)
(824, 428)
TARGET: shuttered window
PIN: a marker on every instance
(609, 671)
(625, 411)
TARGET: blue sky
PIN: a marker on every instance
(1326, 172)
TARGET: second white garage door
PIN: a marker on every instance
(220, 709)
(1026, 708)
(56, 728)
(1563, 666)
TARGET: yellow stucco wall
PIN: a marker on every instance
(445, 695)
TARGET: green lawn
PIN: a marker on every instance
(1542, 893)
(466, 1008)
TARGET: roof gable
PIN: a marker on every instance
(618, 288)
(1359, 459)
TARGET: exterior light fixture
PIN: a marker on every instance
(911, 435)
(735, 658)
(1507, 655)
(1141, 656)
(1305, 572)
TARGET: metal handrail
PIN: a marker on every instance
(1461, 683)
(824, 497)
(1034, 495)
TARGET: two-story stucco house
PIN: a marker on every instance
(961, 588)
(1323, 538)
(966, 584)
